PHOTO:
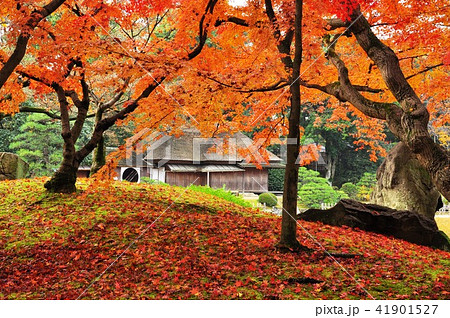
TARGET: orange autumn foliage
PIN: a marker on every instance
(124, 46)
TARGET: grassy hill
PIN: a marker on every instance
(190, 245)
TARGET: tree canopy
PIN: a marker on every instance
(382, 61)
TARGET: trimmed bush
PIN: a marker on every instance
(276, 179)
(269, 199)
(313, 194)
(350, 189)
(314, 190)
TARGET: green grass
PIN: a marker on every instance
(221, 193)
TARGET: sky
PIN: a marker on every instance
(237, 3)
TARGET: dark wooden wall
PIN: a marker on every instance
(256, 180)
(231, 180)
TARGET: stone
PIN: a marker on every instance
(406, 225)
(404, 184)
(12, 166)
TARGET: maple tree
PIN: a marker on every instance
(112, 56)
(255, 51)
(27, 17)
(254, 84)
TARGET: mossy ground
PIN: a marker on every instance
(190, 246)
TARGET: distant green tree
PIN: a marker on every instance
(276, 179)
(345, 164)
(39, 143)
(9, 128)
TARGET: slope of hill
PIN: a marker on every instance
(128, 241)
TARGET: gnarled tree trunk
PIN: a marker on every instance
(63, 180)
(404, 184)
(408, 119)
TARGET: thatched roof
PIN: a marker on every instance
(193, 149)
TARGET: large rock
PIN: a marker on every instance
(404, 184)
(12, 167)
(406, 225)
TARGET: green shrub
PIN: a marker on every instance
(314, 190)
(223, 194)
(307, 176)
(350, 189)
(312, 194)
(276, 179)
(152, 181)
(269, 199)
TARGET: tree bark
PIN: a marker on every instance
(404, 184)
(99, 154)
(408, 119)
(288, 237)
(63, 181)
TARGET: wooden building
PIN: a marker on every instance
(190, 159)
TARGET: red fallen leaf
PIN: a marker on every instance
(238, 284)
(194, 291)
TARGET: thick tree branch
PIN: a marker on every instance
(284, 44)
(28, 109)
(334, 24)
(234, 20)
(64, 110)
(386, 61)
(344, 90)
(203, 29)
(279, 84)
(106, 123)
(429, 68)
(82, 110)
(24, 36)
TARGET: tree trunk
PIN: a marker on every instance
(408, 118)
(404, 184)
(63, 180)
(99, 154)
(409, 122)
(288, 237)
